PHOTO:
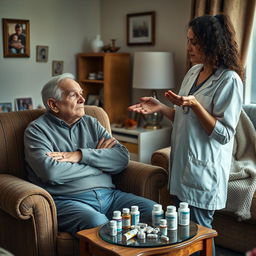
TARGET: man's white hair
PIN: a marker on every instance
(52, 90)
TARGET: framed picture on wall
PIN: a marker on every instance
(42, 53)
(141, 28)
(57, 67)
(6, 107)
(16, 38)
(23, 103)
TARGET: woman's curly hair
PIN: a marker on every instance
(215, 36)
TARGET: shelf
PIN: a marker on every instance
(92, 81)
(114, 88)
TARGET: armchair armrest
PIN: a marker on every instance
(142, 179)
(24, 200)
(161, 158)
(17, 197)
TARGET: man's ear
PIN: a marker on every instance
(52, 105)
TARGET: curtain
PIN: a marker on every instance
(241, 13)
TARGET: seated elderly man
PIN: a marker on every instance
(72, 156)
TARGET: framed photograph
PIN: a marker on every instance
(92, 99)
(24, 103)
(141, 28)
(57, 67)
(16, 38)
(6, 107)
(42, 53)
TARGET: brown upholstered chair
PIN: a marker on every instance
(28, 222)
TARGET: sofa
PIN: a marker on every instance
(28, 222)
(233, 234)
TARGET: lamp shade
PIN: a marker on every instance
(153, 70)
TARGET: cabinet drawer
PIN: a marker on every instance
(132, 148)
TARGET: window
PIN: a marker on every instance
(250, 82)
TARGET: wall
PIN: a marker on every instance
(65, 26)
(68, 26)
(172, 17)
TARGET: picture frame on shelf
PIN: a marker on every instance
(5, 107)
(16, 38)
(23, 103)
(141, 28)
(42, 53)
(57, 67)
(92, 99)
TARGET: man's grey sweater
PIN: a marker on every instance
(51, 134)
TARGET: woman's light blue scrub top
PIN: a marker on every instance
(200, 163)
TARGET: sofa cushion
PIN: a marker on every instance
(250, 110)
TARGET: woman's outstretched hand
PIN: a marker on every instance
(147, 105)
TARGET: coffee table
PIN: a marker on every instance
(92, 244)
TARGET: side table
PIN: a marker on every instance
(141, 142)
(92, 244)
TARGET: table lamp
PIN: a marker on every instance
(155, 71)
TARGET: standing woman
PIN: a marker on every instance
(204, 117)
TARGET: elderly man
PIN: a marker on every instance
(72, 156)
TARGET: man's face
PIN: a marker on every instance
(71, 106)
(18, 30)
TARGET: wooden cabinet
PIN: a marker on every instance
(114, 89)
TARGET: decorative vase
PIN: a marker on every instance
(97, 44)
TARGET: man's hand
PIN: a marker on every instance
(73, 157)
(106, 143)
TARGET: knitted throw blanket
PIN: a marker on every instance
(242, 179)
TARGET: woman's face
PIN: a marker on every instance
(195, 54)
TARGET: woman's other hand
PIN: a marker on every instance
(175, 99)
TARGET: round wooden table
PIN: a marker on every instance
(92, 244)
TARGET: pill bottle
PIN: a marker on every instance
(157, 215)
(112, 228)
(126, 218)
(163, 227)
(118, 218)
(135, 215)
(183, 214)
(171, 217)
(130, 234)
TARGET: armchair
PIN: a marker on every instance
(233, 234)
(28, 217)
